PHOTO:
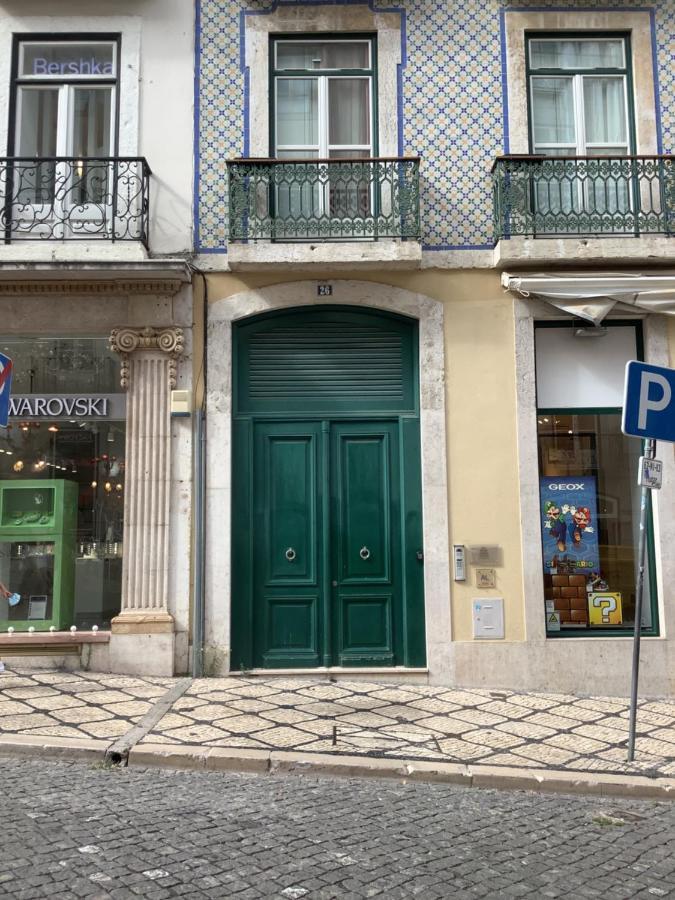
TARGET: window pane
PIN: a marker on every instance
(605, 110)
(553, 111)
(297, 111)
(323, 55)
(63, 59)
(38, 119)
(91, 122)
(577, 54)
(590, 506)
(349, 110)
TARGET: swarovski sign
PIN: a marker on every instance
(68, 406)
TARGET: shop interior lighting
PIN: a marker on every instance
(110, 436)
(53, 428)
(594, 331)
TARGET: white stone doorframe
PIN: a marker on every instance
(429, 313)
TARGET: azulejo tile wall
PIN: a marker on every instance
(452, 104)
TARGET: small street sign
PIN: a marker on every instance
(649, 402)
(5, 388)
(650, 473)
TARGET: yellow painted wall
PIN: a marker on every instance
(483, 489)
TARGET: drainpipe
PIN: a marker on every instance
(199, 547)
(199, 554)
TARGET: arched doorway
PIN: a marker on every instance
(327, 556)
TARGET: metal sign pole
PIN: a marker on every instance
(650, 453)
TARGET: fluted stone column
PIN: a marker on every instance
(148, 374)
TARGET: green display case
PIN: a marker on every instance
(38, 530)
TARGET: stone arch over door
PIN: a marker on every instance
(429, 314)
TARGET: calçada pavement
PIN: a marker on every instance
(491, 738)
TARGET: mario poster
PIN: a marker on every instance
(569, 525)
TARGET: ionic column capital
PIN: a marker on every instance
(128, 340)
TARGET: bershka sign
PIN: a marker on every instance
(70, 406)
(82, 66)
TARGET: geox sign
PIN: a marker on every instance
(68, 406)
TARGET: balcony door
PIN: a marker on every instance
(323, 110)
(579, 108)
(64, 104)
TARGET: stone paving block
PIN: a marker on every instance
(324, 692)
(286, 716)
(365, 719)
(449, 725)
(82, 714)
(527, 730)
(194, 734)
(13, 708)
(283, 737)
(25, 722)
(463, 750)
(576, 743)
(60, 701)
(542, 753)
(209, 712)
(130, 709)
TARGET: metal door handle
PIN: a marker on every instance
(364, 553)
(290, 554)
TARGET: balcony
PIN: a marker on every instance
(294, 212)
(580, 209)
(65, 199)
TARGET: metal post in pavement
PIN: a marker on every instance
(650, 453)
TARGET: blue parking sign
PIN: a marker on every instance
(5, 388)
(649, 402)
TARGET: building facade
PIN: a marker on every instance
(423, 241)
(433, 235)
(96, 313)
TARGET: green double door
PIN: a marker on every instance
(327, 552)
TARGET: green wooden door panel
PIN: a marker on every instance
(327, 522)
(365, 500)
(287, 539)
(366, 630)
(362, 505)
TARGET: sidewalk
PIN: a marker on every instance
(351, 727)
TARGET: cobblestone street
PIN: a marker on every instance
(71, 830)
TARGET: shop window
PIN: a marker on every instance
(589, 496)
(62, 480)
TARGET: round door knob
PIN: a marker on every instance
(290, 554)
(364, 553)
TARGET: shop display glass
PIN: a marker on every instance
(62, 490)
(589, 509)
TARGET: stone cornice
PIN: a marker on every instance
(80, 288)
(127, 340)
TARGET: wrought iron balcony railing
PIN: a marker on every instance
(68, 198)
(324, 199)
(563, 196)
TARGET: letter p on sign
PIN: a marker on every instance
(649, 402)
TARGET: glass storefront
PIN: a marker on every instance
(62, 474)
(589, 496)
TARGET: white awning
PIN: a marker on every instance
(593, 297)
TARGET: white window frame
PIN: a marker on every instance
(66, 85)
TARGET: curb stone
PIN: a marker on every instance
(226, 759)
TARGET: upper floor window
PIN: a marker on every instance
(64, 98)
(323, 97)
(579, 94)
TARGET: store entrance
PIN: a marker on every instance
(327, 553)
